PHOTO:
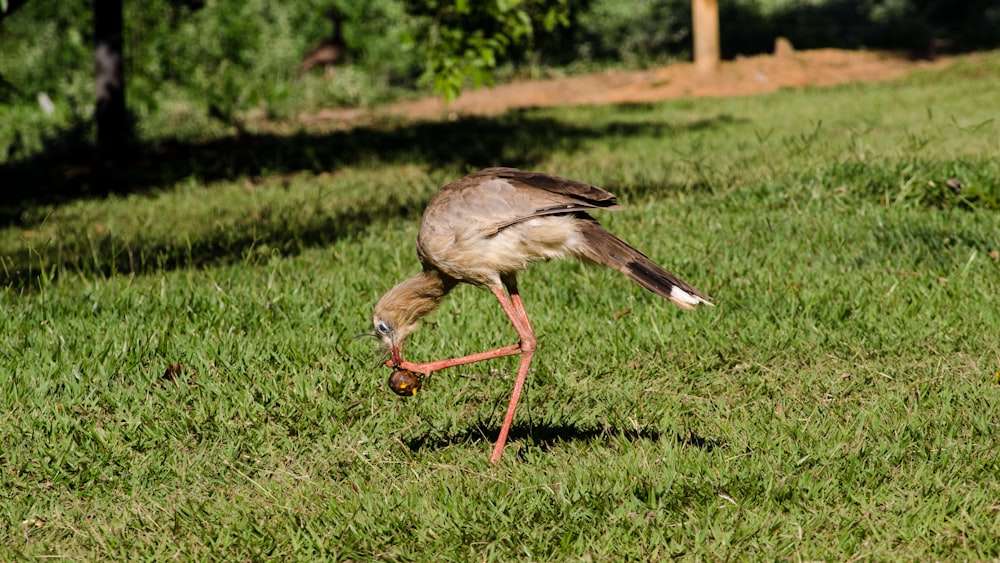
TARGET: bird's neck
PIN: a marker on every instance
(431, 285)
(416, 297)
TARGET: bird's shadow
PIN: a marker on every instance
(548, 437)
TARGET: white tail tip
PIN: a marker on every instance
(686, 300)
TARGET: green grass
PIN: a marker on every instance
(840, 401)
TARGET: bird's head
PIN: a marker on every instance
(398, 312)
(392, 329)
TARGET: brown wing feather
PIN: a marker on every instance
(579, 192)
(561, 195)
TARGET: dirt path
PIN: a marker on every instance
(740, 77)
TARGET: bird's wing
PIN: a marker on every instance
(576, 191)
(512, 196)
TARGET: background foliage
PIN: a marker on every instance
(196, 62)
(467, 40)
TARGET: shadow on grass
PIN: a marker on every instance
(70, 170)
(247, 239)
(31, 187)
(548, 437)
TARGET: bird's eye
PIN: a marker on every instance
(382, 328)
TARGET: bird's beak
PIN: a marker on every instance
(397, 355)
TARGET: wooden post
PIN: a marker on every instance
(705, 14)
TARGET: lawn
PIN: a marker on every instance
(182, 378)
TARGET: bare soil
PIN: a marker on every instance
(786, 68)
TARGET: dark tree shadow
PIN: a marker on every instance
(518, 138)
(30, 187)
(548, 437)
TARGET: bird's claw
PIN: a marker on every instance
(408, 366)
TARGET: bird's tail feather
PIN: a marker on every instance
(606, 249)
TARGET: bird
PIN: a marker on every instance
(482, 230)
(329, 52)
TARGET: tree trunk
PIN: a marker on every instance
(109, 77)
(705, 14)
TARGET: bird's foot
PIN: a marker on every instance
(409, 366)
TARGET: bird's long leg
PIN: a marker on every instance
(427, 368)
(519, 318)
(510, 309)
(514, 308)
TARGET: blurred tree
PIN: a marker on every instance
(465, 39)
(109, 77)
(191, 63)
(8, 6)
